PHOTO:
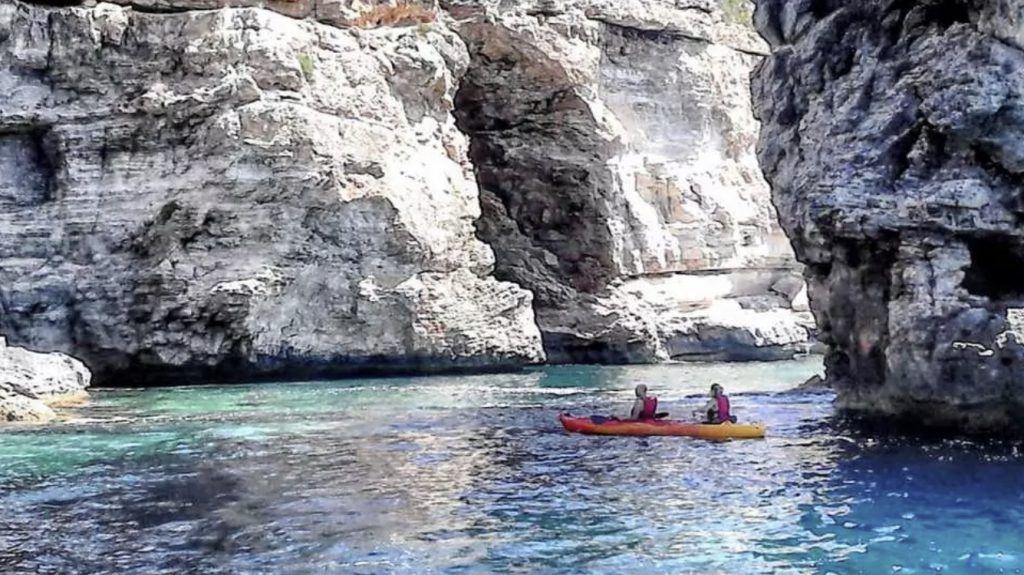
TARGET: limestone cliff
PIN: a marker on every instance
(891, 138)
(269, 188)
(613, 144)
(232, 193)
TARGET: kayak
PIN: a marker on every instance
(606, 426)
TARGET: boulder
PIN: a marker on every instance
(31, 382)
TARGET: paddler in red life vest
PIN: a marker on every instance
(717, 408)
(645, 406)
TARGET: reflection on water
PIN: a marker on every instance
(474, 475)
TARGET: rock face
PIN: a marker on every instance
(266, 190)
(891, 138)
(613, 145)
(29, 380)
(237, 193)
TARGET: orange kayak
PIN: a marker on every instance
(661, 427)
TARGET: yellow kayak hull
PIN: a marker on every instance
(663, 427)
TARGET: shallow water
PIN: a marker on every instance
(475, 475)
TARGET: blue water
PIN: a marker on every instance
(474, 475)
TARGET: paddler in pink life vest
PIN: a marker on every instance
(717, 408)
(645, 406)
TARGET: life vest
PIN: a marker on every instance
(650, 407)
(723, 408)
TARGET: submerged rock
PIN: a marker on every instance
(891, 138)
(16, 407)
(234, 193)
(31, 382)
(814, 383)
(613, 142)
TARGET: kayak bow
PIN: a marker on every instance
(662, 427)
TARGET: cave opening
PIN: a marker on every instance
(943, 13)
(821, 8)
(539, 167)
(948, 12)
(996, 266)
(914, 18)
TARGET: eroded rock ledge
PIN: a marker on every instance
(892, 141)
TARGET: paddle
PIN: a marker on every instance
(603, 419)
(599, 419)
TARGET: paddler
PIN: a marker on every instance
(717, 409)
(644, 406)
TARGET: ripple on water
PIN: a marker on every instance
(474, 475)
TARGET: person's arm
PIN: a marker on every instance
(638, 408)
(703, 412)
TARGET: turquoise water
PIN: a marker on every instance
(474, 475)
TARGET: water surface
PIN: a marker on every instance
(474, 475)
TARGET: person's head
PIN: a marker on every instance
(716, 390)
(641, 390)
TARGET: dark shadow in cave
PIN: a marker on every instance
(997, 268)
(28, 162)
